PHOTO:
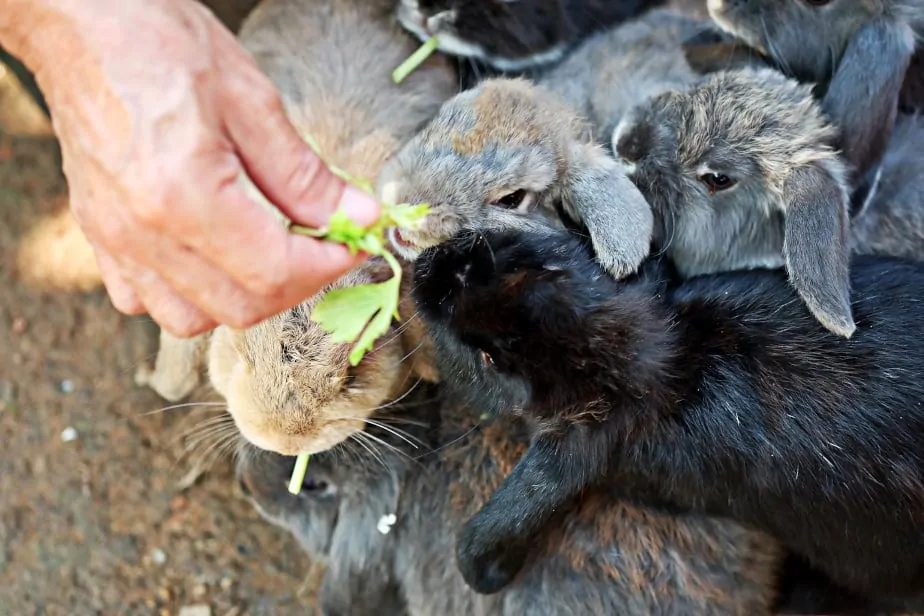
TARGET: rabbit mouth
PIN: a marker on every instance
(404, 246)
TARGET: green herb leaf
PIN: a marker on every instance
(298, 473)
(415, 59)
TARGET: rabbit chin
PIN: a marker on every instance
(281, 425)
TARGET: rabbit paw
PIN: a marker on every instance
(487, 558)
(617, 257)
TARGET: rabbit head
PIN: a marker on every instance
(512, 145)
(310, 515)
(740, 173)
(290, 387)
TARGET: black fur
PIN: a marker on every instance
(521, 31)
(721, 392)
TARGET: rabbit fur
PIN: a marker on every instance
(742, 172)
(857, 51)
(616, 69)
(604, 557)
(514, 36)
(766, 134)
(515, 145)
(721, 393)
(288, 385)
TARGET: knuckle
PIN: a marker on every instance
(152, 211)
(267, 283)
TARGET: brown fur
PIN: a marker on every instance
(289, 386)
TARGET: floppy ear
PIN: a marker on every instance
(862, 98)
(598, 194)
(816, 246)
(728, 55)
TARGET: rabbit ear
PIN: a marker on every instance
(816, 247)
(862, 98)
(706, 58)
(618, 218)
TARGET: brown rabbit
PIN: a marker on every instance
(511, 144)
(288, 386)
(602, 557)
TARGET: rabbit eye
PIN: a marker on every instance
(716, 182)
(516, 200)
(487, 360)
(817, 2)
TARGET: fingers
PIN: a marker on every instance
(166, 307)
(279, 161)
(120, 292)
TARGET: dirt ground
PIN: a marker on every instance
(93, 516)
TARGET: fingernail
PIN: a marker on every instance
(360, 206)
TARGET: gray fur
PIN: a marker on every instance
(893, 221)
(764, 131)
(615, 70)
(604, 557)
(857, 51)
(508, 135)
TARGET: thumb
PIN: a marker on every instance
(285, 169)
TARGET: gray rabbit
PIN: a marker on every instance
(742, 171)
(604, 557)
(858, 51)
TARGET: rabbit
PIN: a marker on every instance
(513, 36)
(604, 557)
(857, 51)
(288, 386)
(741, 171)
(177, 370)
(511, 144)
(721, 393)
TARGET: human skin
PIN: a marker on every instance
(158, 110)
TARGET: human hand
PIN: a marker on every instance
(158, 110)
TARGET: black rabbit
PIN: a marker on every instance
(721, 393)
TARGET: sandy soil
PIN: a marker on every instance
(100, 524)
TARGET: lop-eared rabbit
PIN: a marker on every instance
(288, 385)
(721, 393)
(603, 557)
(742, 171)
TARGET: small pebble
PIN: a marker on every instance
(199, 590)
(195, 610)
(19, 325)
(225, 583)
(68, 434)
(158, 556)
(67, 386)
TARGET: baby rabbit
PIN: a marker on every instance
(604, 557)
(513, 145)
(741, 172)
(514, 35)
(288, 385)
(858, 51)
(721, 393)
